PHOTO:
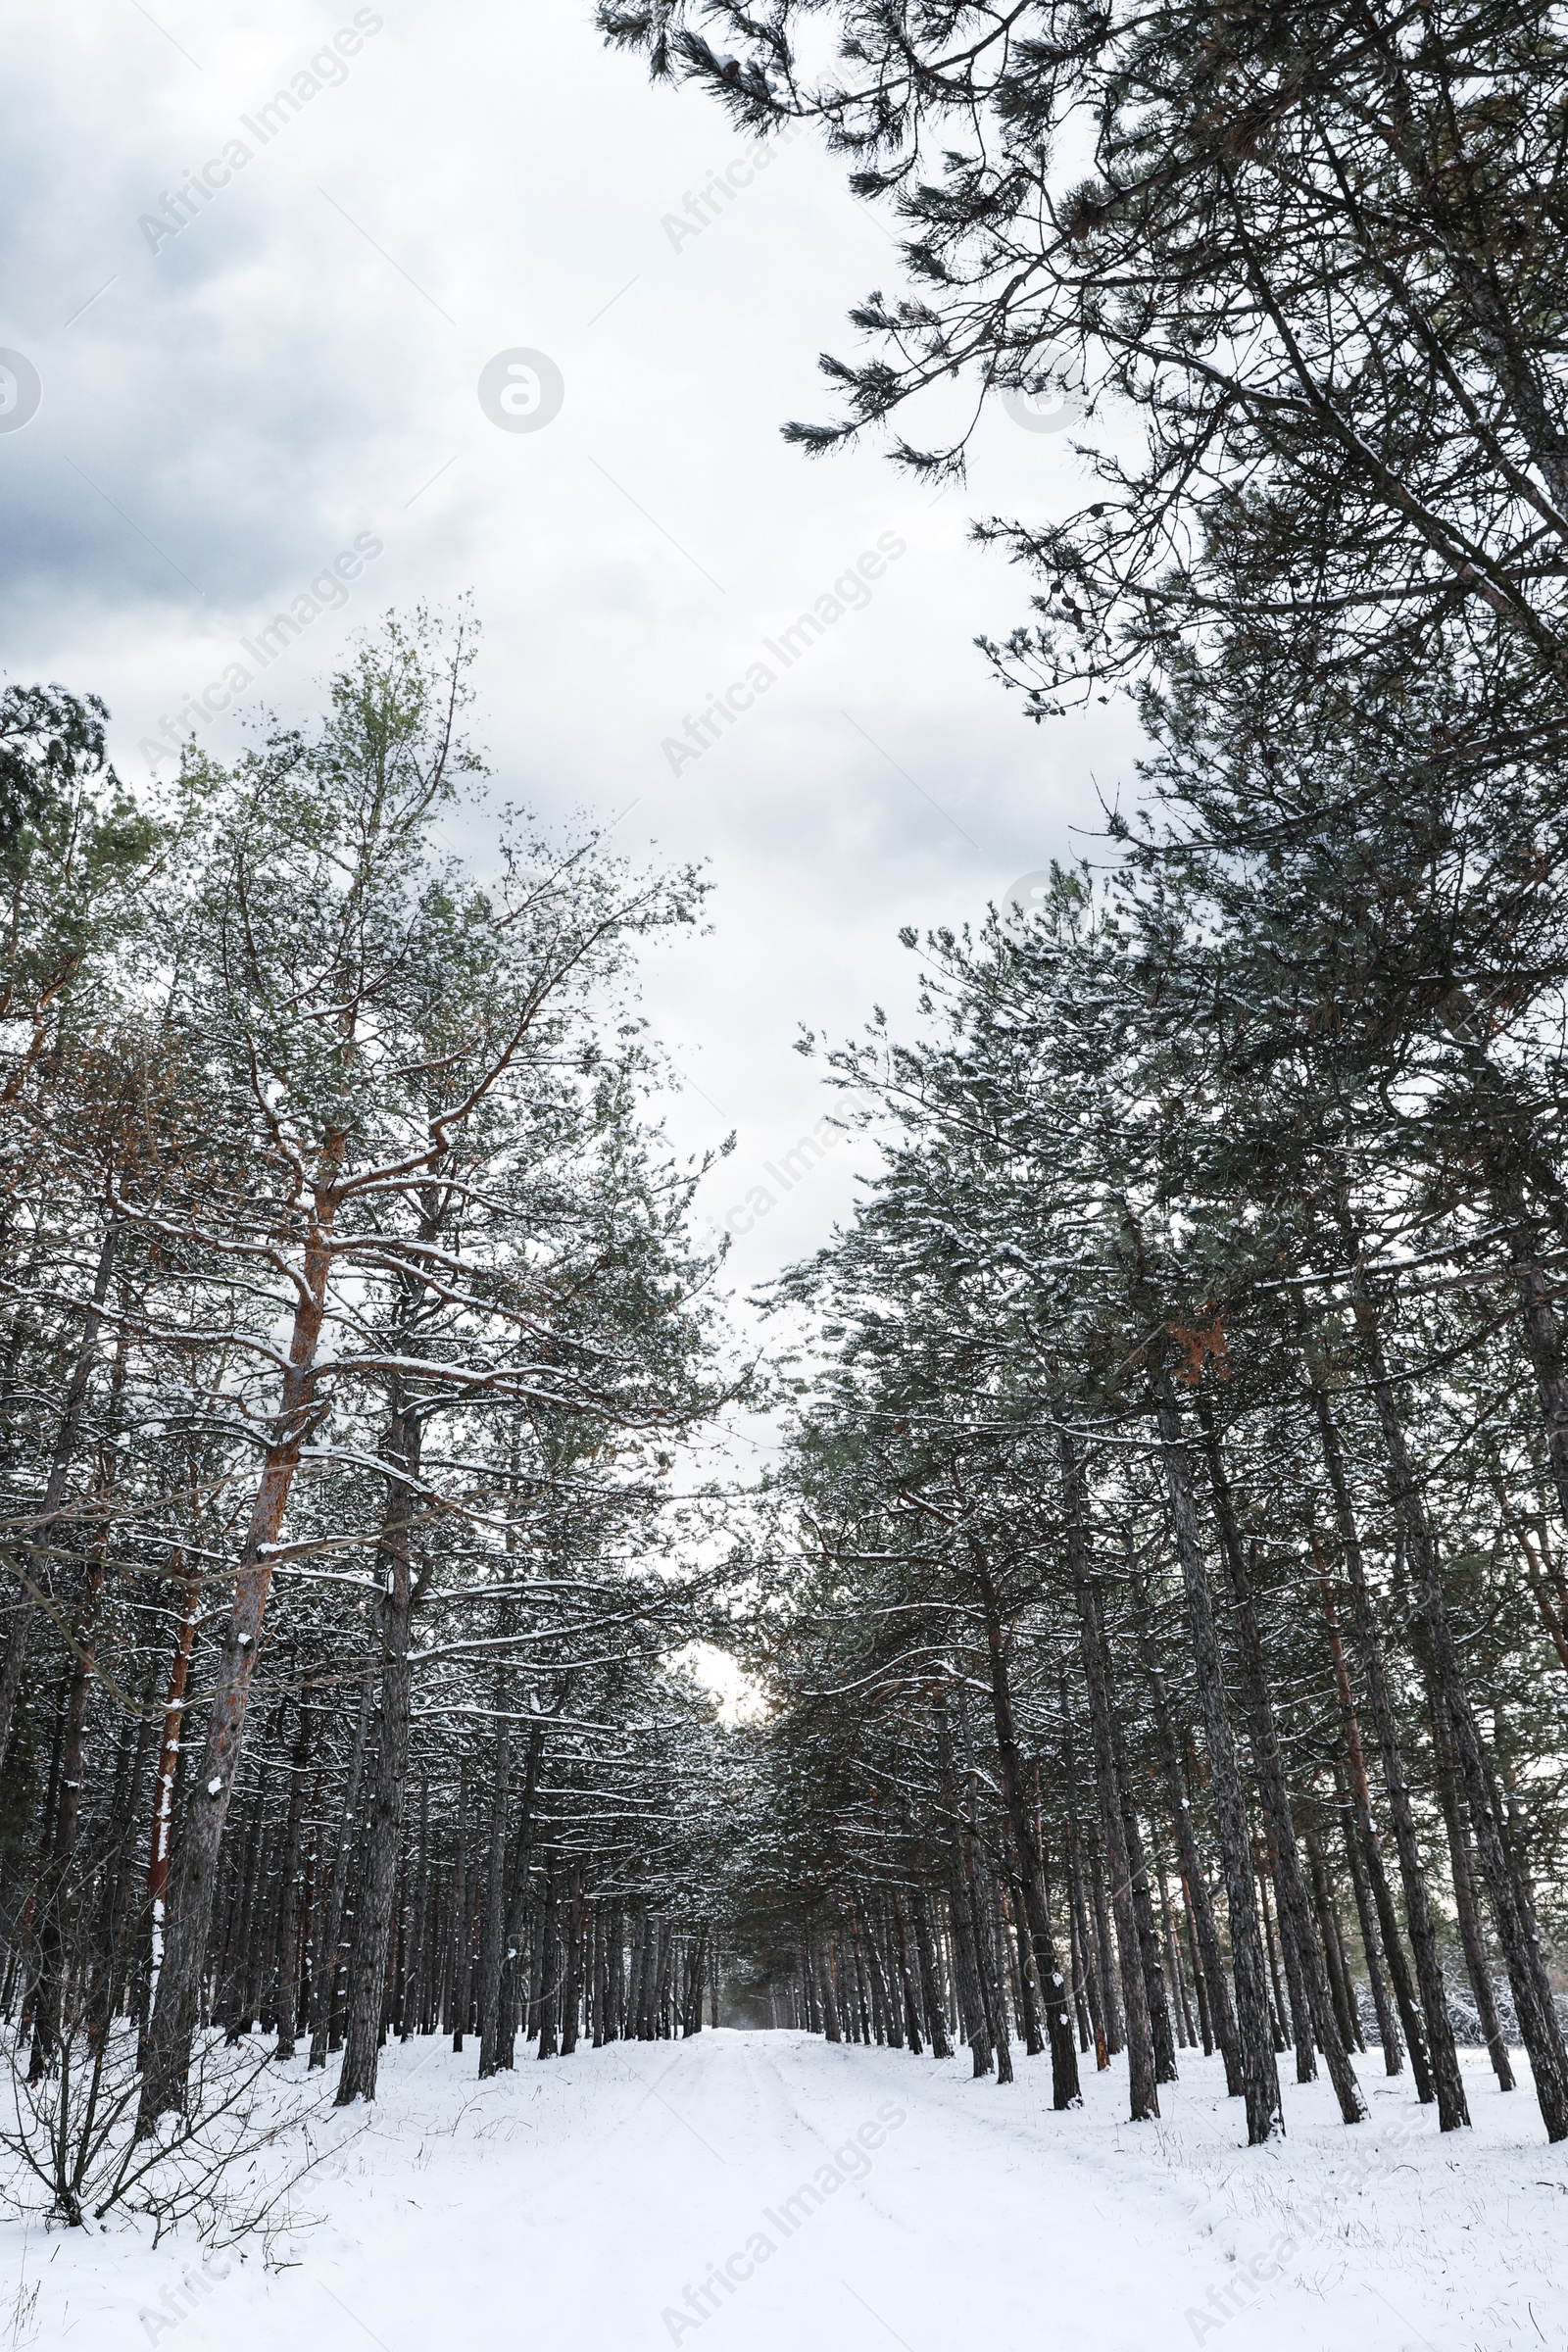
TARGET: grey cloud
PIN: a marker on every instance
(296, 367)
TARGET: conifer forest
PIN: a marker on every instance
(1132, 1535)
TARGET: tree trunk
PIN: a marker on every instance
(826, 1990)
(287, 1998)
(1512, 1907)
(188, 1584)
(329, 1914)
(1142, 2095)
(1295, 1910)
(571, 1999)
(510, 2002)
(988, 1909)
(1466, 1906)
(58, 1896)
(926, 1946)
(1143, 1901)
(493, 1932)
(1090, 1980)
(1065, 2090)
(1383, 2001)
(1261, 2085)
(1412, 1871)
(1262, 1874)
(239, 1996)
(1328, 1925)
(411, 2019)
(912, 1999)
(877, 1983)
(976, 2025)
(1173, 1954)
(549, 1975)
(1200, 1906)
(194, 1879)
(114, 1958)
(373, 1925)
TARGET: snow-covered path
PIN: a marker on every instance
(758, 2191)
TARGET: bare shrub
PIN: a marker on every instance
(225, 2163)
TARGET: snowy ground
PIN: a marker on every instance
(843, 2199)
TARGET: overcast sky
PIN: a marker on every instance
(230, 404)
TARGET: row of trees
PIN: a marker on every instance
(349, 1319)
(1166, 1570)
(1162, 1599)
(1187, 1487)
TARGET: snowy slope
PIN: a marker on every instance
(764, 2191)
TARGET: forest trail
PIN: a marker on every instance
(901, 2203)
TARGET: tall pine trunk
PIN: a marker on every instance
(1513, 1904)
(1221, 2016)
(326, 1958)
(193, 1880)
(1065, 2089)
(1142, 2096)
(1434, 2054)
(377, 1888)
(1261, 2085)
(1296, 1909)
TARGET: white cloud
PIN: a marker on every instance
(301, 365)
